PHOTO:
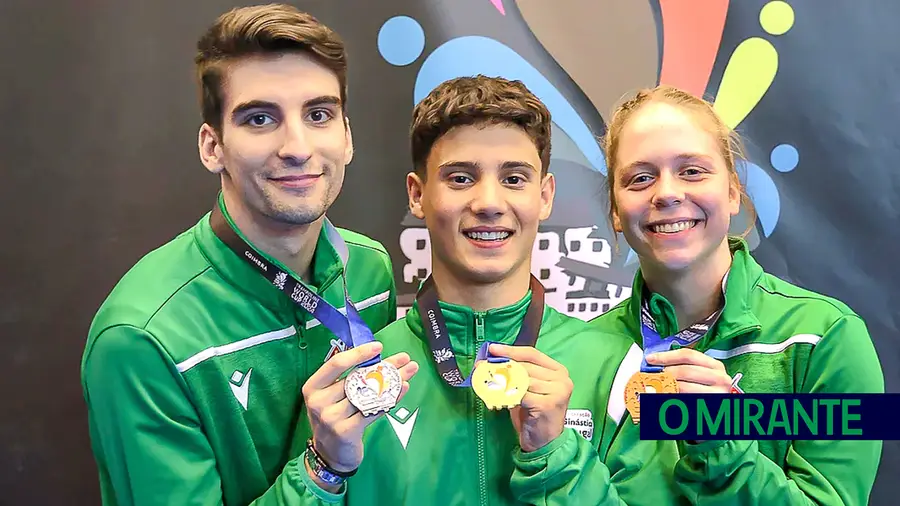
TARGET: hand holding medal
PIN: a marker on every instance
(670, 372)
(535, 388)
(338, 410)
(540, 417)
(337, 425)
(695, 372)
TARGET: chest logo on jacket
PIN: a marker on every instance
(402, 421)
(582, 420)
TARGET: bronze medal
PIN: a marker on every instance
(647, 383)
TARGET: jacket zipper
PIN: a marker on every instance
(479, 419)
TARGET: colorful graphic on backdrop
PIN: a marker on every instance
(585, 268)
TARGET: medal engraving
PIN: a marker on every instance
(373, 389)
(647, 383)
(500, 385)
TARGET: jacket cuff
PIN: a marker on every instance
(297, 471)
(541, 457)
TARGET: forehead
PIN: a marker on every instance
(285, 79)
(488, 145)
(661, 131)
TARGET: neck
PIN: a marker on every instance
(292, 245)
(480, 296)
(695, 292)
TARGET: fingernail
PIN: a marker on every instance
(652, 357)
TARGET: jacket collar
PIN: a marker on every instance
(326, 264)
(737, 318)
(500, 324)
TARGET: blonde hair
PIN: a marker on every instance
(729, 142)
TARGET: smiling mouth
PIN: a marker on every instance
(492, 236)
(673, 228)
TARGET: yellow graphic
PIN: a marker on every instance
(776, 17)
(752, 67)
(376, 377)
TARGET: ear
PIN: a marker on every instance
(616, 221)
(210, 147)
(415, 187)
(548, 192)
(348, 151)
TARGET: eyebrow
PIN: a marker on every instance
(242, 108)
(510, 164)
(684, 157)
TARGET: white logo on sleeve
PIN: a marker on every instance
(403, 429)
(582, 421)
(240, 386)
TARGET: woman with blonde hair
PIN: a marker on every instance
(708, 315)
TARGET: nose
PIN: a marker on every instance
(668, 190)
(296, 145)
(488, 200)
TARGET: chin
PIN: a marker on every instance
(484, 273)
(296, 215)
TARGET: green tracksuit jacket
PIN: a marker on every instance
(782, 339)
(194, 365)
(441, 446)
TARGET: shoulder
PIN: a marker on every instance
(394, 330)
(151, 283)
(614, 322)
(575, 333)
(774, 297)
(363, 245)
(160, 301)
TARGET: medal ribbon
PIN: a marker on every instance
(439, 338)
(654, 343)
(345, 323)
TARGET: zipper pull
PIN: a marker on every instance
(479, 328)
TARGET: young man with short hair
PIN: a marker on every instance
(481, 151)
(198, 364)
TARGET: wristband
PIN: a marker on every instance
(322, 470)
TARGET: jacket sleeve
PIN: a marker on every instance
(147, 437)
(569, 471)
(816, 472)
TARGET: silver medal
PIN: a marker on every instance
(374, 388)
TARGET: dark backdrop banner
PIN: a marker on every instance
(100, 165)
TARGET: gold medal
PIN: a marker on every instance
(647, 383)
(500, 385)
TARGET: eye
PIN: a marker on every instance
(260, 119)
(693, 170)
(320, 115)
(460, 178)
(515, 180)
(641, 179)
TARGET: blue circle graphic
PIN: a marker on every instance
(784, 158)
(401, 40)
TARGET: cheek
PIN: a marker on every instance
(628, 209)
(441, 210)
(247, 150)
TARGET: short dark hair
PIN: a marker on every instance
(478, 100)
(261, 30)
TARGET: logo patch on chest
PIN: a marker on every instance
(337, 346)
(735, 389)
(582, 420)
